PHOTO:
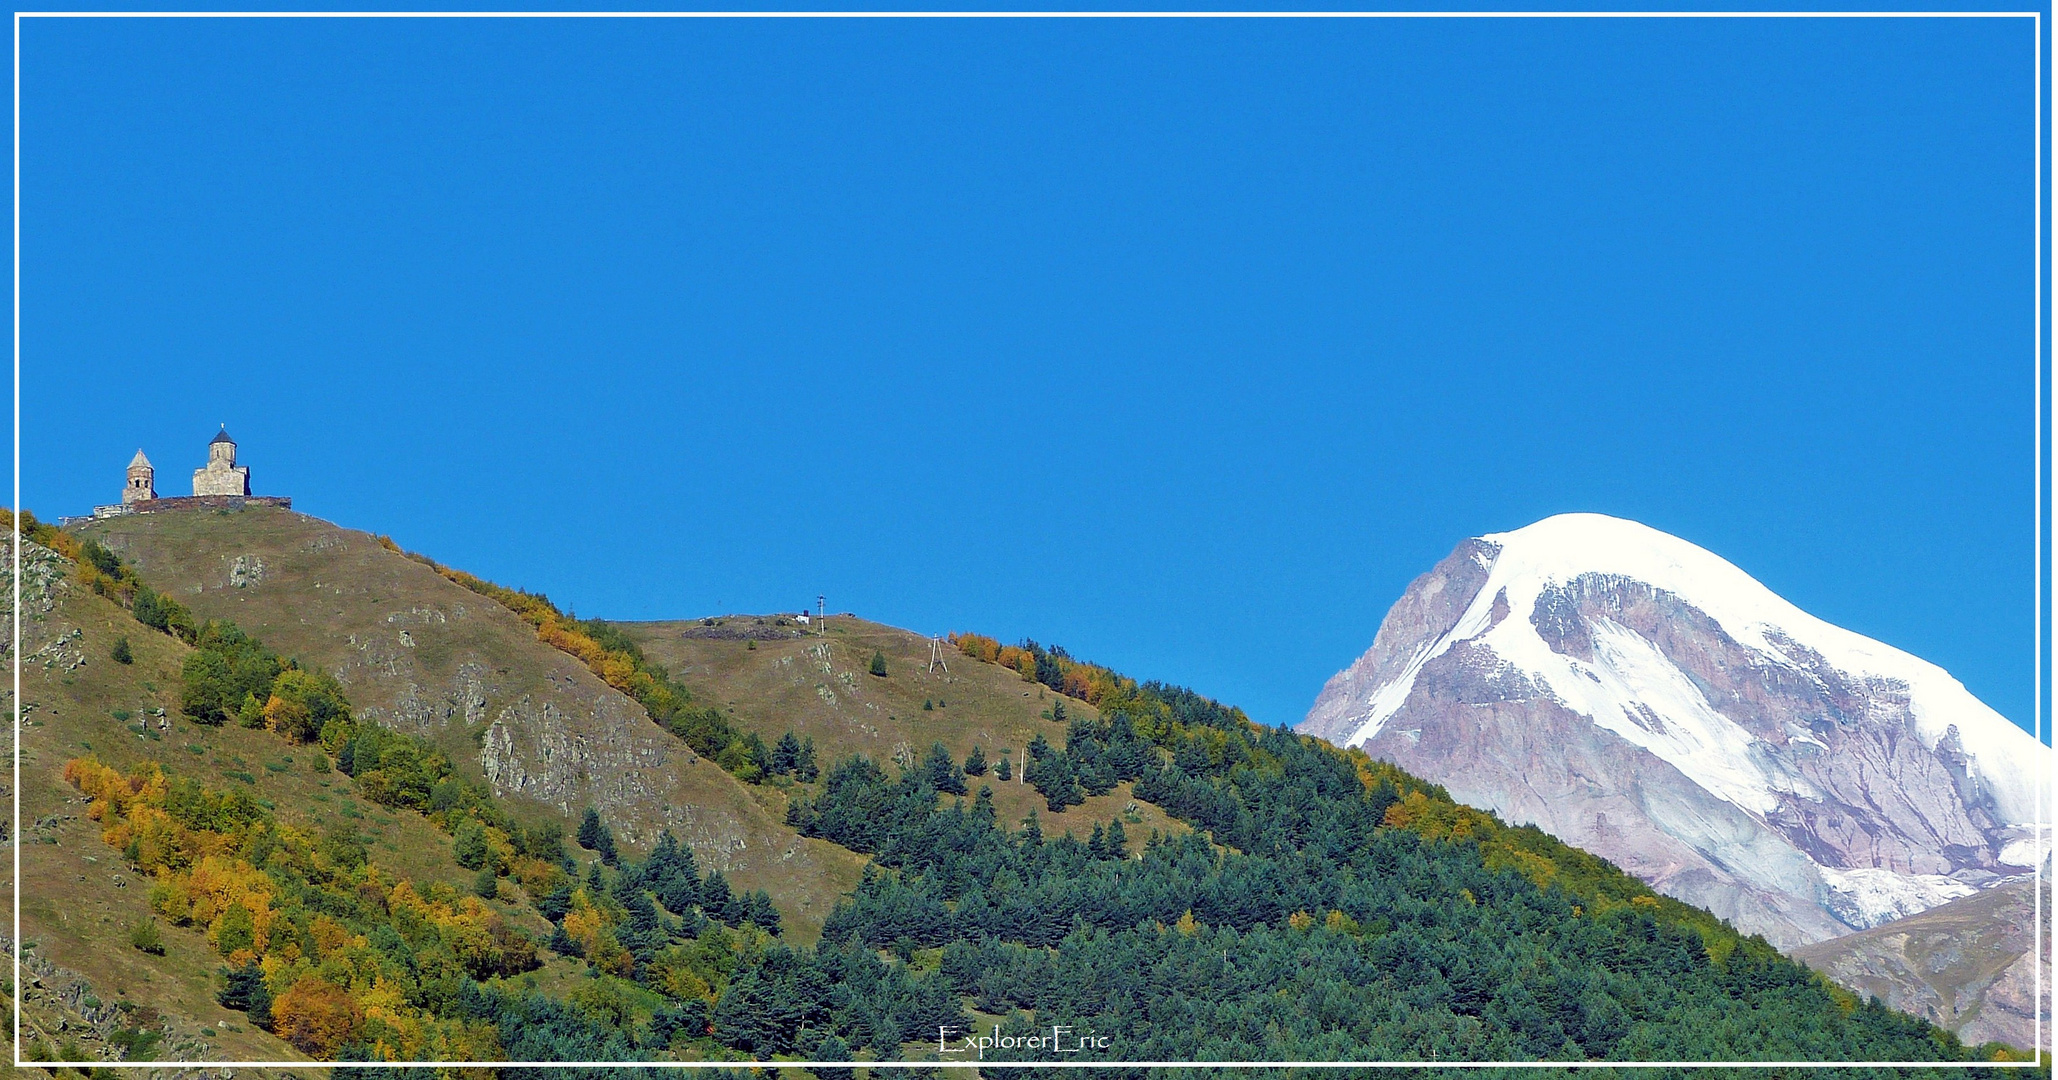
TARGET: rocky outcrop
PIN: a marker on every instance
(1964, 966)
(1641, 698)
(420, 654)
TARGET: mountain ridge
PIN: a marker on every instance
(1650, 701)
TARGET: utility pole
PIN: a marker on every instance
(936, 656)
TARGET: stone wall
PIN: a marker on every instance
(218, 502)
(221, 479)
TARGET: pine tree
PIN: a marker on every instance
(759, 910)
(879, 664)
(556, 904)
(941, 772)
(717, 900)
(785, 756)
(122, 653)
(1118, 841)
(1097, 844)
(757, 752)
(487, 884)
(832, 1048)
(469, 846)
(1050, 773)
(975, 762)
(609, 854)
(589, 829)
(804, 768)
(1004, 770)
(246, 992)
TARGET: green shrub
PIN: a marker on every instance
(122, 654)
(144, 937)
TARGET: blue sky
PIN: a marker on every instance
(1184, 344)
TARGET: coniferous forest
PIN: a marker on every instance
(1314, 905)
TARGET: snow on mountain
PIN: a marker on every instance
(1643, 697)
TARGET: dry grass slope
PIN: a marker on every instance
(816, 682)
(420, 654)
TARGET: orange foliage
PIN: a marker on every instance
(1090, 683)
(316, 1016)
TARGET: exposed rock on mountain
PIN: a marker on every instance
(1964, 966)
(1642, 698)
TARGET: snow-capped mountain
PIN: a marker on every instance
(1642, 698)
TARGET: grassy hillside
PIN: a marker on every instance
(325, 879)
(169, 854)
(774, 675)
(421, 654)
(82, 899)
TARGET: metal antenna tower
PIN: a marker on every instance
(936, 659)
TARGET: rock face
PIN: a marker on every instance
(1964, 966)
(420, 654)
(1643, 699)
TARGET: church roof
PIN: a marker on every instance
(139, 459)
(223, 437)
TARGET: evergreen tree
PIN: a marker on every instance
(879, 664)
(941, 772)
(246, 992)
(1004, 771)
(122, 653)
(564, 944)
(758, 909)
(556, 904)
(831, 1048)
(975, 762)
(804, 768)
(486, 884)
(785, 756)
(469, 846)
(609, 854)
(718, 901)
(757, 752)
(1050, 773)
(1118, 841)
(589, 829)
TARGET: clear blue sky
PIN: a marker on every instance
(1184, 344)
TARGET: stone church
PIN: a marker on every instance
(221, 475)
(219, 483)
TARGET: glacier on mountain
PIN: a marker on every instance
(1876, 773)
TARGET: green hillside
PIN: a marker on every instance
(774, 675)
(272, 825)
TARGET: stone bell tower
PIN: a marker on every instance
(141, 486)
(221, 475)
